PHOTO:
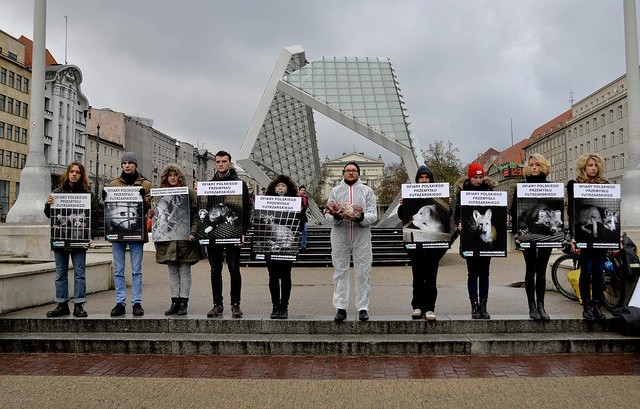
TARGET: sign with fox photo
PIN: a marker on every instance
(70, 218)
(539, 217)
(425, 216)
(220, 220)
(483, 215)
(276, 223)
(171, 216)
(596, 216)
(123, 214)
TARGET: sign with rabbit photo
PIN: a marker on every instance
(596, 215)
(425, 215)
(483, 215)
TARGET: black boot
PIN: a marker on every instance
(175, 305)
(341, 315)
(587, 313)
(475, 309)
(283, 312)
(534, 314)
(597, 313)
(483, 309)
(78, 311)
(275, 312)
(61, 310)
(543, 313)
(184, 304)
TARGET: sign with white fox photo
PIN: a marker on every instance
(483, 215)
(171, 219)
(539, 220)
(596, 216)
(123, 214)
(220, 220)
(425, 216)
(276, 224)
(70, 221)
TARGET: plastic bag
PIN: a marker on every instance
(574, 279)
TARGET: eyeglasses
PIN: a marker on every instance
(350, 171)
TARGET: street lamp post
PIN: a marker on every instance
(97, 161)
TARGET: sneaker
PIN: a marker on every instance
(216, 311)
(61, 310)
(363, 315)
(430, 316)
(417, 314)
(78, 311)
(137, 310)
(236, 312)
(341, 315)
(118, 310)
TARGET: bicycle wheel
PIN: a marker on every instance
(563, 265)
(613, 289)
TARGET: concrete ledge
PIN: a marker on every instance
(25, 240)
(28, 283)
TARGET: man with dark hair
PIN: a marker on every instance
(226, 172)
(352, 210)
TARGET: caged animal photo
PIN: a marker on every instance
(540, 221)
(222, 219)
(171, 219)
(70, 224)
(427, 222)
(123, 218)
(597, 224)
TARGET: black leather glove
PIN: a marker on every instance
(142, 192)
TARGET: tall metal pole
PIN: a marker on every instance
(35, 178)
(98, 161)
(631, 178)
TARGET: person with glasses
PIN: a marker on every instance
(351, 208)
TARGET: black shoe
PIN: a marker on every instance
(118, 310)
(534, 314)
(543, 314)
(475, 309)
(61, 310)
(587, 313)
(137, 310)
(275, 312)
(216, 311)
(483, 309)
(341, 315)
(236, 312)
(184, 305)
(597, 313)
(283, 313)
(78, 311)
(363, 315)
(175, 306)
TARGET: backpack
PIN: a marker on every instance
(630, 260)
(628, 320)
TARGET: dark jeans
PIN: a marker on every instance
(233, 264)
(280, 282)
(478, 276)
(535, 276)
(591, 272)
(424, 266)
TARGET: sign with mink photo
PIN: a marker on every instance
(220, 221)
(483, 215)
(539, 220)
(171, 219)
(596, 215)
(425, 218)
(123, 214)
(277, 224)
(70, 221)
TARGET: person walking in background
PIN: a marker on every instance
(302, 192)
(589, 169)
(179, 255)
(477, 267)
(280, 270)
(226, 172)
(424, 264)
(352, 209)
(130, 177)
(73, 180)
(536, 259)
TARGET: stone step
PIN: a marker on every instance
(449, 335)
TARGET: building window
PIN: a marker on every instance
(25, 85)
(604, 142)
(1, 157)
(10, 105)
(16, 157)
(595, 145)
(619, 111)
(11, 76)
(569, 134)
(581, 149)
(580, 134)
(24, 136)
(570, 153)
(1, 130)
(595, 123)
(3, 75)
(23, 160)
(25, 108)
(588, 146)
(613, 162)
(622, 160)
(613, 138)
(602, 120)
(610, 115)
(621, 132)
(18, 82)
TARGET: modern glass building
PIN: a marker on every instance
(361, 93)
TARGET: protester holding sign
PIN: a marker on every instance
(181, 253)
(129, 178)
(477, 267)
(589, 169)
(73, 182)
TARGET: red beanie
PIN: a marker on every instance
(475, 169)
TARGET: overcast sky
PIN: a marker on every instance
(467, 68)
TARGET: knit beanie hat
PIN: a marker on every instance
(475, 169)
(129, 157)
